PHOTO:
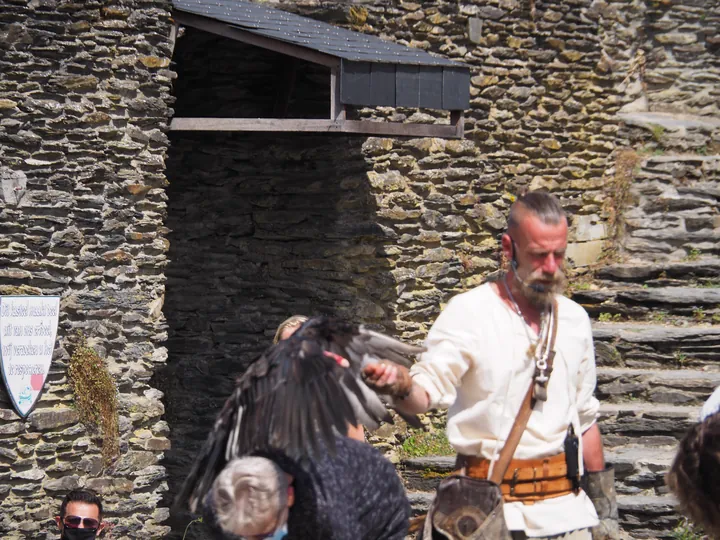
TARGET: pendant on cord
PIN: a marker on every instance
(542, 375)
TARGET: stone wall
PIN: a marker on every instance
(542, 115)
(84, 96)
(664, 53)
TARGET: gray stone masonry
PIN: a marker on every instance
(98, 204)
(84, 102)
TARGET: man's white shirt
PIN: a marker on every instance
(477, 365)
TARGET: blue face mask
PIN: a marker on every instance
(280, 533)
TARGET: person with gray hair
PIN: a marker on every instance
(252, 496)
(352, 494)
(511, 345)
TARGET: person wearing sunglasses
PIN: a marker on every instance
(80, 516)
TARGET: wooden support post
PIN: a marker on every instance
(457, 119)
(337, 109)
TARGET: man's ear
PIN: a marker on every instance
(507, 246)
(290, 496)
(58, 521)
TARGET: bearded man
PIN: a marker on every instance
(482, 354)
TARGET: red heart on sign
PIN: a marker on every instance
(36, 381)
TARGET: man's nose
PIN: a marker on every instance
(550, 264)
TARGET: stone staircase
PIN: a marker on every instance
(657, 335)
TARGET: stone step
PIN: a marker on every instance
(637, 345)
(420, 501)
(639, 302)
(648, 516)
(647, 424)
(669, 386)
(702, 271)
(641, 516)
(641, 470)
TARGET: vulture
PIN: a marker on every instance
(296, 396)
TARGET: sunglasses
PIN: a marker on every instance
(74, 522)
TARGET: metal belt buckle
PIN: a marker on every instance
(514, 481)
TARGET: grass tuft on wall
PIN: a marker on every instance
(95, 396)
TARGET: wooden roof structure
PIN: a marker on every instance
(365, 71)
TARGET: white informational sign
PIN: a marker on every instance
(28, 326)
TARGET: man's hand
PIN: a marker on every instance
(387, 377)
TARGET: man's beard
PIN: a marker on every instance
(551, 286)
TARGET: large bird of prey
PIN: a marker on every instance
(296, 396)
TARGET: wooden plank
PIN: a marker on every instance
(337, 109)
(382, 85)
(431, 87)
(232, 32)
(456, 89)
(354, 82)
(316, 125)
(457, 119)
(407, 86)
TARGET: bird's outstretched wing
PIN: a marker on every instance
(294, 398)
(362, 346)
(358, 343)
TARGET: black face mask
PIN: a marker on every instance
(78, 534)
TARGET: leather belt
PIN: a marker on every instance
(526, 480)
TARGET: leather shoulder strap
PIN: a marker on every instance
(521, 420)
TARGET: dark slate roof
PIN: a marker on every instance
(372, 71)
(305, 32)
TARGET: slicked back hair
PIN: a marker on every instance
(250, 493)
(694, 477)
(538, 203)
(81, 495)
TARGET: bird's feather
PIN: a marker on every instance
(294, 398)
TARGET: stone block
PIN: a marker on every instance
(388, 181)
(475, 25)
(585, 253)
(490, 12)
(64, 483)
(676, 38)
(587, 228)
(45, 419)
(30, 474)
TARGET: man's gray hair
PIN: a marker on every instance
(538, 203)
(250, 495)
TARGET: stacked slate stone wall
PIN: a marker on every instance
(542, 115)
(261, 226)
(664, 53)
(84, 101)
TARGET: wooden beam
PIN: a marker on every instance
(174, 31)
(233, 32)
(366, 127)
(457, 119)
